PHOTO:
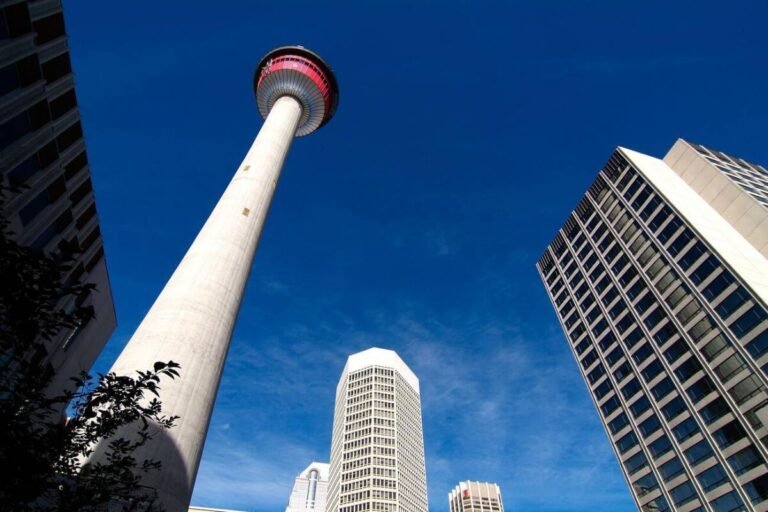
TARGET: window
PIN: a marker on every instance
(698, 452)
(624, 324)
(650, 425)
(686, 370)
(656, 505)
(718, 285)
(650, 208)
(622, 372)
(682, 494)
(33, 207)
(701, 328)
(630, 389)
(627, 442)
(592, 315)
(677, 295)
(748, 321)
(641, 405)
(583, 345)
(659, 218)
(714, 410)
(652, 370)
(636, 335)
(611, 405)
(693, 254)
(732, 302)
(589, 359)
(728, 503)
(704, 270)
(674, 408)
(603, 389)
(617, 309)
(618, 423)
(700, 388)
(675, 351)
(642, 353)
(758, 346)
(56, 68)
(712, 478)
(645, 484)
(49, 28)
(656, 267)
(730, 367)
(671, 469)
(656, 317)
(662, 389)
(664, 333)
(686, 429)
(635, 462)
(757, 489)
(729, 434)
(660, 446)
(746, 389)
(689, 311)
(746, 459)
(614, 356)
(609, 296)
(644, 304)
(669, 230)
(595, 374)
(69, 136)
(680, 242)
(606, 341)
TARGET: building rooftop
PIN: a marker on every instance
(382, 357)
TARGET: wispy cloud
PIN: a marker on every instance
(498, 405)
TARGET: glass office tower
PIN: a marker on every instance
(660, 281)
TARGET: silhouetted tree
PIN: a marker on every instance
(44, 455)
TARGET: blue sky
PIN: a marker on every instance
(465, 135)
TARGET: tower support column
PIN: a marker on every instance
(192, 319)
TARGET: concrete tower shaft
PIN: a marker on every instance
(192, 319)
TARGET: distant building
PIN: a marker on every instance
(377, 448)
(660, 281)
(475, 497)
(43, 157)
(310, 489)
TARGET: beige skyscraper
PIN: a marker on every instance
(660, 281)
(377, 448)
(475, 497)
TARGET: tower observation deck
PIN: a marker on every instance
(192, 319)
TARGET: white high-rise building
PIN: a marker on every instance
(377, 450)
(475, 497)
(310, 489)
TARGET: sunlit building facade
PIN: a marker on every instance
(660, 281)
(310, 489)
(377, 447)
(475, 497)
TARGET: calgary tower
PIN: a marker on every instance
(191, 321)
